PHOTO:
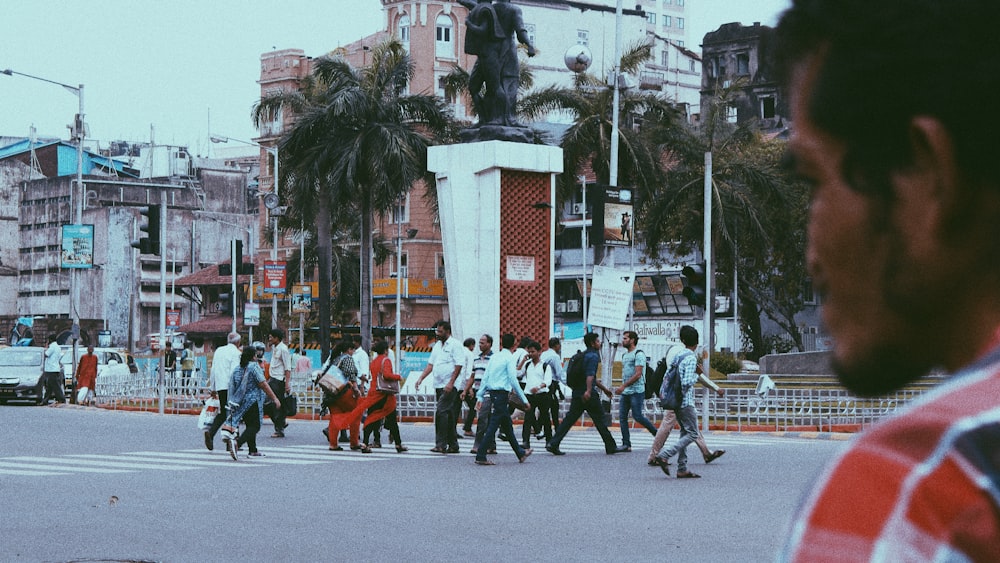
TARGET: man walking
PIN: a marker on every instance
(281, 378)
(687, 364)
(498, 382)
(446, 362)
(553, 358)
(86, 377)
(632, 389)
(472, 385)
(224, 361)
(52, 372)
(585, 398)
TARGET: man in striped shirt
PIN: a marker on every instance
(904, 247)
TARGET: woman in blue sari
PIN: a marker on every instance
(247, 389)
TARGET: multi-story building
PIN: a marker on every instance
(738, 57)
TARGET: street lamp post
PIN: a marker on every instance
(79, 133)
(410, 233)
(273, 151)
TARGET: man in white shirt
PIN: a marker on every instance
(463, 382)
(553, 358)
(281, 378)
(52, 368)
(224, 361)
(446, 363)
(537, 380)
(363, 362)
(472, 384)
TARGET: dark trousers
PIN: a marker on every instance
(577, 407)
(54, 387)
(223, 414)
(277, 415)
(537, 402)
(555, 398)
(445, 433)
(500, 419)
(251, 419)
(391, 424)
(470, 412)
(482, 421)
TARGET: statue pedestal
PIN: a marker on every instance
(497, 208)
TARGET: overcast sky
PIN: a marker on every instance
(179, 65)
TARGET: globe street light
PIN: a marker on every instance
(271, 201)
(78, 131)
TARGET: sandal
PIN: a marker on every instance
(687, 475)
(365, 449)
(336, 449)
(401, 448)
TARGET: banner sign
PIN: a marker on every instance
(274, 277)
(618, 217)
(301, 298)
(610, 297)
(173, 318)
(77, 246)
(251, 314)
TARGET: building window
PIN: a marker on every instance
(582, 37)
(731, 114)
(680, 2)
(694, 68)
(441, 91)
(680, 23)
(404, 30)
(403, 261)
(401, 216)
(667, 21)
(439, 265)
(680, 43)
(665, 57)
(767, 110)
(651, 18)
(667, 2)
(742, 64)
(444, 46)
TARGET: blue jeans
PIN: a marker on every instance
(632, 402)
(500, 418)
(687, 417)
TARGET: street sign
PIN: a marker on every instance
(251, 314)
(274, 277)
(173, 318)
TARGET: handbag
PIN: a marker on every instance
(208, 413)
(514, 399)
(290, 405)
(384, 385)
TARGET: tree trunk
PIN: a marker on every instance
(324, 248)
(366, 270)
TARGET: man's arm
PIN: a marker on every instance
(635, 377)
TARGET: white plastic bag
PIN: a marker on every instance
(208, 413)
(82, 395)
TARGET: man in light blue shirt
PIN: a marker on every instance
(632, 389)
(498, 382)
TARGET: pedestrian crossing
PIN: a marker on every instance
(576, 442)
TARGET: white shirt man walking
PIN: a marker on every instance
(446, 363)
(224, 361)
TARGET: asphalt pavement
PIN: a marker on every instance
(86, 484)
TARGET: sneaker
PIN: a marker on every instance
(234, 449)
(255, 454)
(208, 441)
(278, 434)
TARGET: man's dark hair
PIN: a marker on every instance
(589, 339)
(443, 324)
(532, 345)
(884, 63)
(488, 339)
(342, 346)
(380, 347)
(52, 338)
(633, 335)
(553, 342)
(689, 336)
(277, 333)
(507, 341)
(356, 339)
(469, 342)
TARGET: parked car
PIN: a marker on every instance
(21, 374)
(110, 362)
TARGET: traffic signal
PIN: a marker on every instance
(695, 286)
(149, 230)
(226, 303)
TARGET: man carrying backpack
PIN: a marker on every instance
(687, 416)
(585, 397)
(632, 389)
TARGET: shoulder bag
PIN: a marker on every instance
(384, 385)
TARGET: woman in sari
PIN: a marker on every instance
(247, 389)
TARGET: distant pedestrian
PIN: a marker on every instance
(585, 398)
(537, 380)
(224, 361)
(247, 389)
(281, 378)
(553, 357)
(446, 363)
(52, 372)
(86, 377)
(632, 389)
(169, 359)
(346, 401)
(187, 366)
(472, 384)
(379, 405)
(498, 382)
(687, 416)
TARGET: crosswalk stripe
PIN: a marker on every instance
(30, 473)
(104, 461)
(217, 462)
(53, 464)
(262, 460)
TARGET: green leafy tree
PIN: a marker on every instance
(358, 142)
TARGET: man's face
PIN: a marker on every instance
(440, 333)
(626, 341)
(484, 345)
(597, 344)
(854, 256)
(534, 353)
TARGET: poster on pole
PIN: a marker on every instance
(301, 298)
(618, 215)
(173, 318)
(251, 314)
(274, 277)
(609, 297)
(77, 246)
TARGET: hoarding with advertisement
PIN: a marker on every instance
(618, 217)
(77, 249)
(301, 298)
(274, 277)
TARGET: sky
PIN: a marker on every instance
(181, 70)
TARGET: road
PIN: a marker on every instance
(88, 484)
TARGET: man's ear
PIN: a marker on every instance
(934, 181)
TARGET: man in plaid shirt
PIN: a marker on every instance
(904, 248)
(686, 415)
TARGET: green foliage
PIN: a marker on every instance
(725, 363)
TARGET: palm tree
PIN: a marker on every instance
(358, 142)
(758, 213)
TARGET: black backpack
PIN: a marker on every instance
(671, 393)
(576, 377)
(654, 378)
